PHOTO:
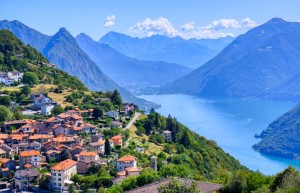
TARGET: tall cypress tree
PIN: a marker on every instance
(107, 147)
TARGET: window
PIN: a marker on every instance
(54, 174)
(59, 184)
(59, 174)
(59, 179)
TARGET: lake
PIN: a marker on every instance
(232, 123)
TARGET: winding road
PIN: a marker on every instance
(133, 120)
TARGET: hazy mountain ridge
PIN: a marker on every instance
(188, 54)
(129, 71)
(63, 50)
(191, 53)
(260, 63)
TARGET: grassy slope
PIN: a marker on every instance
(44, 88)
(149, 147)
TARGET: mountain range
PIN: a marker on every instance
(63, 50)
(130, 72)
(191, 53)
(262, 63)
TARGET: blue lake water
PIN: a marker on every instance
(232, 123)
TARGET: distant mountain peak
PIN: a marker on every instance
(85, 36)
(64, 33)
(63, 29)
(276, 20)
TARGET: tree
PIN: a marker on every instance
(30, 78)
(117, 99)
(72, 188)
(176, 186)
(26, 90)
(282, 178)
(5, 113)
(152, 111)
(101, 190)
(5, 100)
(57, 110)
(186, 139)
(107, 147)
(147, 176)
(18, 116)
(98, 113)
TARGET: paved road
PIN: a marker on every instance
(133, 120)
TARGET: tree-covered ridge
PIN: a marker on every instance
(203, 156)
(282, 137)
(14, 55)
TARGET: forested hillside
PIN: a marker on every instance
(15, 55)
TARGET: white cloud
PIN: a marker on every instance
(217, 29)
(205, 33)
(109, 21)
(188, 26)
(151, 27)
(223, 24)
(249, 23)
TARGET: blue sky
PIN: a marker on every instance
(187, 18)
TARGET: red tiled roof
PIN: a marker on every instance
(90, 125)
(4, 160)
(77, 128)
(132, 169)
(5, 169)
(40, 136)
(64, 165)
(123, 173)
(29, 153)
(27, 166)
(88, 153)
(116, 137)
(77, 117)
(63, 115)
(50, 119)
(101, 142)
(29, 121)
(127, 158)
(63, 139)
(53, 151)
(4, 136)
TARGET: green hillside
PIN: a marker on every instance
(282, 137)
(15, 55)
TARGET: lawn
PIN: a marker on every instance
(10, 88)
(149, 146)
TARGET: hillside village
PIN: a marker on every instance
(55, 142)
(58, 136)
(50, 151)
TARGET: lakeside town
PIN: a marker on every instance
(60, 134)
(43, 151)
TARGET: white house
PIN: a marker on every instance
(98, 146)
(46, 109)
(167, 135)
(33, 157)
(62, 172)
(125, 162)
(8, 78)
(113, 114)
(88, 156)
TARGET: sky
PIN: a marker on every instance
(185, 18)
